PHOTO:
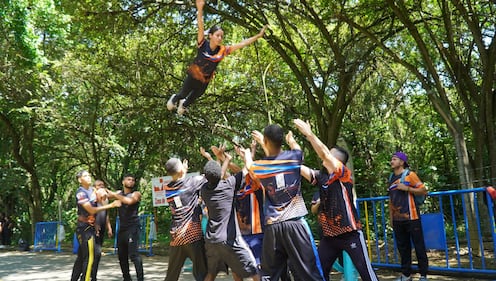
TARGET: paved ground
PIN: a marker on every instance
(47, 265)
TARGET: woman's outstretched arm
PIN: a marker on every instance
(250, 40)
(199, 17)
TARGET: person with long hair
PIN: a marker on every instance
(210, 53)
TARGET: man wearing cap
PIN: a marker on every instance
(404, 185)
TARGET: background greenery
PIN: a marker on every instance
(83, 85)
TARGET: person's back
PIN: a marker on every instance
(287, 236)
(223, 242)
(183, 197)
(280, 176)
(222, 225)
(182, 194)
(249, 207)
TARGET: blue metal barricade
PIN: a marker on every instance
(46, 236)
(448, 235)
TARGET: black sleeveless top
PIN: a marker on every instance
(128, 214)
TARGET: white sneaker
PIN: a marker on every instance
(403, 278)
(170, 103)
(181, 109)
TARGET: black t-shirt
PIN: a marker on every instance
(222, 224)
(128, 214)
(101, 217)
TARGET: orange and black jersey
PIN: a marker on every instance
(182, 196)
(249, 200)
(337, 213)
(402, 203)
(206, 61)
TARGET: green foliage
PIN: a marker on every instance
(84, 84)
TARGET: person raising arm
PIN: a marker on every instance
(209, 54)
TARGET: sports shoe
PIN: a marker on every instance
(170, 103)
(403, 278)
(181, 109)
(423, 278)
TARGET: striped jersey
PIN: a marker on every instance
(280, 177)
(84, 195)
(249, 207)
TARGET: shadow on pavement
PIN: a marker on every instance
(47, 265)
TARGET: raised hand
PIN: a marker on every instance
(289, 137)
(303, 127)
(262, 31)
(228, 157)
(185, 165)
(291, 141)
(205, 154)
(200, 4)
(218, 151)
(258, 137)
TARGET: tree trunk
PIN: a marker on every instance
(467, 180)
(35, 206)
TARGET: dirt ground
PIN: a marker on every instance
(49, 265)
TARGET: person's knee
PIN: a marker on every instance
(135, 258)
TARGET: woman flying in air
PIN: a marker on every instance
(201, 71)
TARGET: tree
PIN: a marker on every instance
(25, 87)
(454, 61)
(328, 60)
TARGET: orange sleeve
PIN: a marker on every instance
(414, 180)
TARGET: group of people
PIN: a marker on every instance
(256, 225)
(256, 214)
(92, 205)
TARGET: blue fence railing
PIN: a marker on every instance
(457, 241)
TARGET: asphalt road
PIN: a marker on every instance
(52, 266)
